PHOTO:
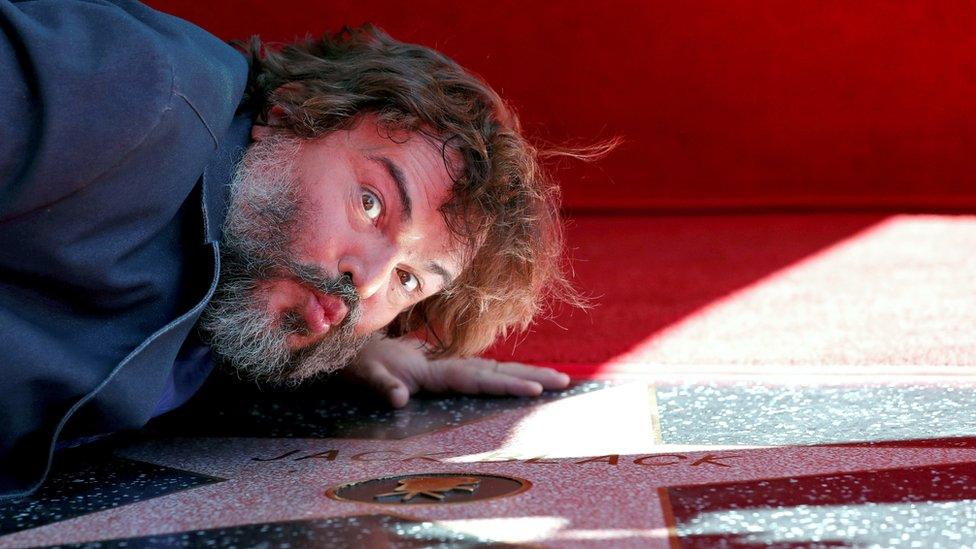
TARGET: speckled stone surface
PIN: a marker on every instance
(227, 409)
(640, 462)
(354, 531)
(753, 413)
(90, 480)
(928, 506)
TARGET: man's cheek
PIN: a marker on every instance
(373, 319)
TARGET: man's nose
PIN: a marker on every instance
(369, 267)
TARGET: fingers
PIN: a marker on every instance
(495, 378)
(494, 382)
(547, 377)
(396, 378)
(382, 381)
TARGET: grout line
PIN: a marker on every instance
(655, 414)
(668, 512)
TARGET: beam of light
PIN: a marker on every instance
(508, 529)
(617, 420)
(544, 529)
(899, 294)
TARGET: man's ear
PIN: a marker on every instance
(270, 123)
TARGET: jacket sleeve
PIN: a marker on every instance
(83, 83)
(109, 114)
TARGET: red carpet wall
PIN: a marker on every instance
(758, 104)
(746, 113)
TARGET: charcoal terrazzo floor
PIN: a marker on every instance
(92, 480)
(354, 531)
(229, 409)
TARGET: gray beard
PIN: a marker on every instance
(258, 236)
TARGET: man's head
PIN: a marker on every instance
(387, 190)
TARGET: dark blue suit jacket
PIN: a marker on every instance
(118, 136)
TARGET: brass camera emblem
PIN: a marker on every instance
(429, 488)
(434, 487)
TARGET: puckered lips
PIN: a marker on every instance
(322, 312)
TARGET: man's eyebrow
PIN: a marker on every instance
(437, 269)
(396, 174)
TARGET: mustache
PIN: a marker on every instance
(317, 278)
(311, 275)
(321, 281)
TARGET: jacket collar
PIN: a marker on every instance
(218, 174)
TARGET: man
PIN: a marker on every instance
(364, 201)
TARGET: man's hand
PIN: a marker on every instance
(398, 368)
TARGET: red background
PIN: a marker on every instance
(771, 120)
(724, 105)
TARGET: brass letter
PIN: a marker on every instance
(609, 458)
(710, 459)
(326, 454)
(360, 456)
(642, 460)
(497, 457)
(428, 456)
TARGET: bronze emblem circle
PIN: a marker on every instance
(429, 488)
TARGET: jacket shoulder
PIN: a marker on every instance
(87, 83)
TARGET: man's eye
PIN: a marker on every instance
(372, 205)
(408, 281)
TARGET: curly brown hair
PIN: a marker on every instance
(503, 206)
